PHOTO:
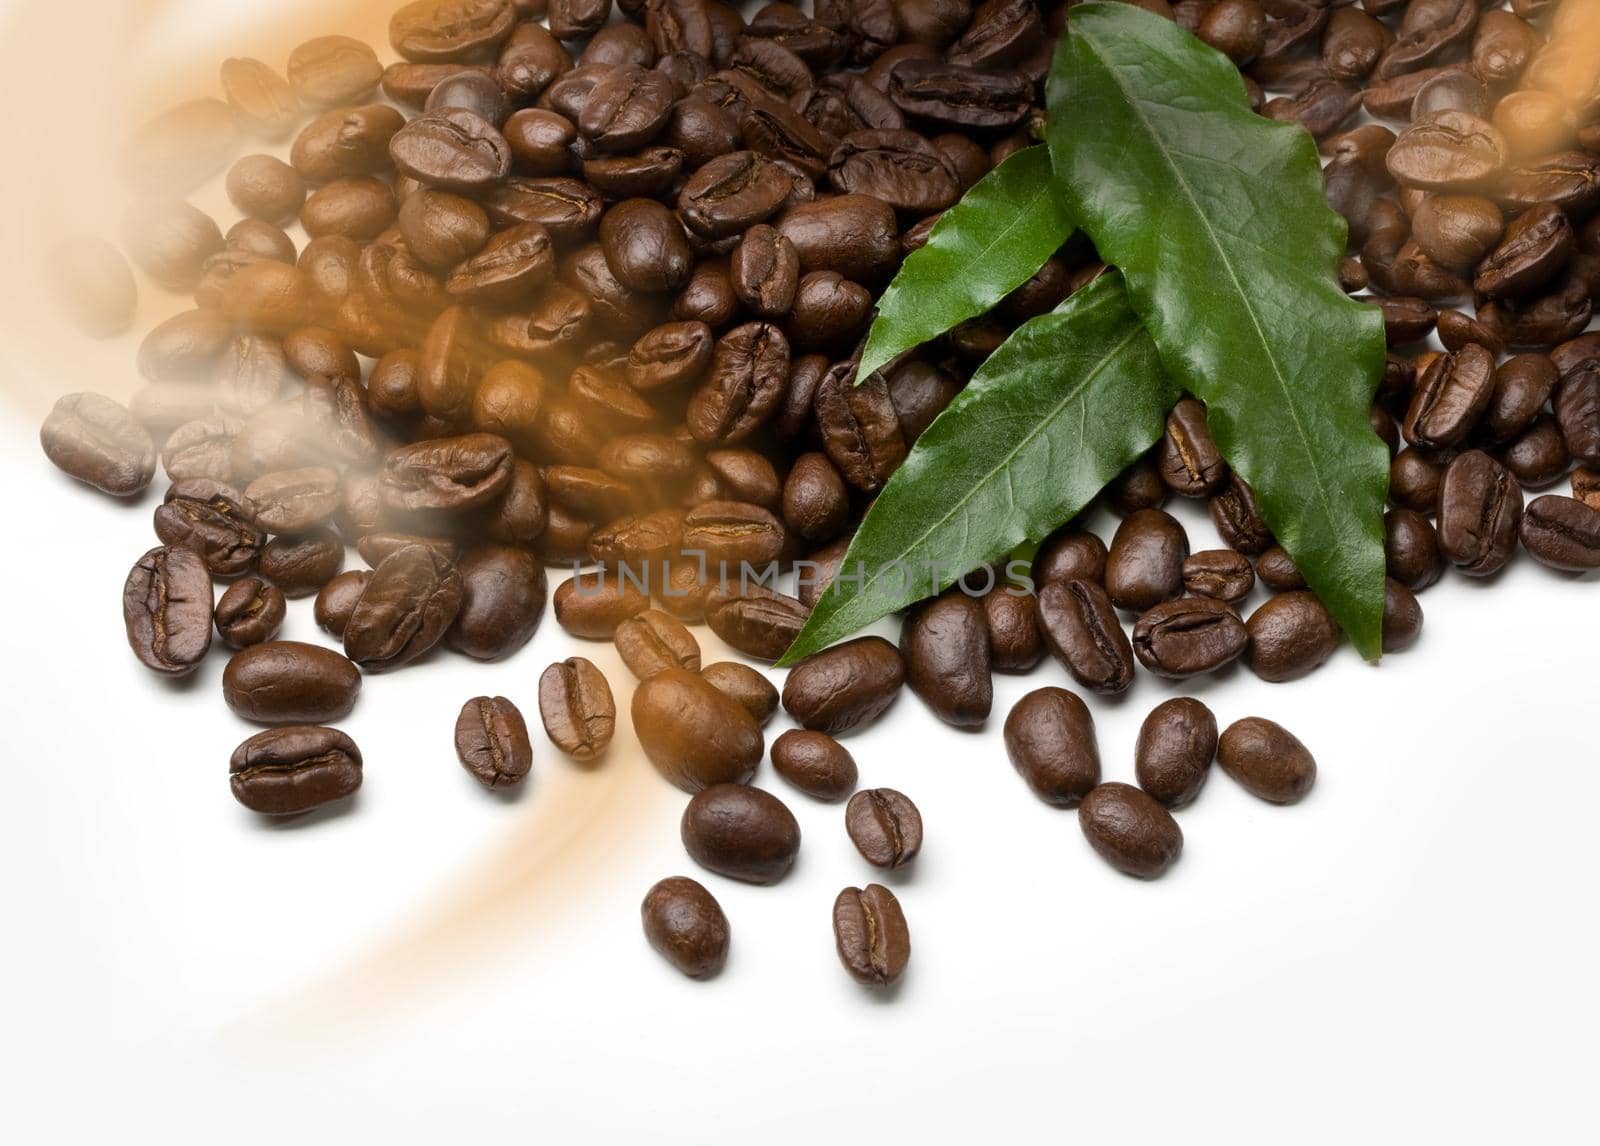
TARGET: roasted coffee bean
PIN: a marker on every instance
(956, 97)
(539, 140)
(592, 604)
(263, 103)
(1015, 643)
(442, 229)
(744, 475)
(653, 642)
(474, 91)
(1402, 617)
(1569, 180)
(765, 269)
(166, 608)
(375, 547)
(333, 71)
(669, 356)
(815, 763)
(1290, 635)
(577, 709)
(342, 143)
(744, 684)
(1538, 457)
(732, 534)
(1130, 830)
(1187, 457)
(1522, 385)
(686, 926)
(859, 426)
(213, 519)
(337, 600)
(301, 564)
(635, 540)
(749, 369)
(1480, 510)
(845, 687)
(869, 931)
(1050, 740)
(732, 193)
(1081, 627)
(1277, 570)
(1456, 231)
(1234, 513)
(358, 209)
(885, 826)
(293, 501)
(1138, 487)
(626, 109)
(454, 149)
(438, 31)
(314, 352)
(1407, 320)
(287, 682)
(855, 235)
(287, 771)
(447, 474)
(1449, 151)
(1577, 408)
(645, 246)
(1536, 248)
(829, 312)
(1177, 743)
(757, 622)
(96, 440)
(405, 609)
(503, 595)
(1563, 533)
(945, 644)
(740, 832)
(1411, 549)
(1070, 554)
(181, 147)
(1189, 636)
(249, 612)
(1221, 574)
(566, 208)
(492, 742)
(900, 168)
(1145, 563)
(1414, 478)
(170, 241)
(1266, 760)
(1586, 487)
(695, 735)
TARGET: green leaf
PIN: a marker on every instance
(979, 251)
(1217, 219)
(1068, 401)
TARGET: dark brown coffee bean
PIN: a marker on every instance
(1577, 408)
(626, 109)
(1267, 760)
(757, 622)
(885, 827)
(686, 927)
(1234, 512)
(1536, 247)
(1015, 643)
(1221, 574)
(740, 832)
(855, 235)
(342, 143)
(955, 97)
(749, 369)
(1407, 320)
(1402, 617)
(1277, 570)
(1414, 478)
(1050, 740)
(592, 604)
(577, 709)
(1187, 457)
(96, 440)
(733, 534)
(1411, 549)
(213, 519)
(766, 271)
(249, 612)
(405, 609)
(828, 314)
(436, 31)
(870, 933)
(645, 246)
(1130, 830)
(166, 608)
(859, 426)
(1290, 635)
(1456, 231)
(448, 474)
(730, 194)
(945, 644)
(1586, 487)
(1177, 743)
(1538, 457)
(1070, 554)
(695, 735)
(670, 356)
(492, 742)
(454, 149)
(287, 771)
(1449, 151)
(566, 208)
(744, 684)
(653, 641)
(845, 687)
(1563, 533)
(337, 600)
(1522, 385)
(503, 595)
(358, 209)
(1189, 636)
(1081, 627)
(1138, 487)
(302, 563)
(1145, 563)
(287, 682)
(333, 71)
(294, 501)
(1480, 509)
(815, 763)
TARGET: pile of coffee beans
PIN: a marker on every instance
(585, 288)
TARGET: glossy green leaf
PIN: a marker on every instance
(1216, 218)
(980, 250)
(1071, 399)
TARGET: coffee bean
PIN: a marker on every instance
(492, 742)
(435, 31)
(1480, 509)
(1145, 563)
(1189, 636)
(303, 563)
(945, 644)
(1577, 408)
(1070, 554)
(287, 682)
(695, 735)
(1402, 617)
(815, 763)
(1130, 830)
(1411, 549)
(733, 534)
(405, 610)
(626, 109)
(447, 474)
(1177, 743)
(333, 71)
(869, 931)
(1563, 533)
(1221, 574)
(293, 501)
(1187, 457)
(844, 687)
(755, 621)
(577, 709)
(900, 168)
(503, 595)
(1277, 570)
(766, 271)
(645, 246)
(1522, 385)
(96, 440)
(1081, 627)
(1015, 643)
(166, 608)
(740, 832)
(185, 348)
(591, 605)
(1234, 513)
(1414, 478)
(336, 601)
(749, 366)
(266, 188)
(1290, 635)
(1449, 151)
(1451, 397)
(287, 771)
(732, 193)
(653, 641)
(744, 684)
(262, 101)
(855, 235)
(1538, 457)
(1267, 760)
(686, 926)
(358, 209)
(249, 612)
(885, 827)
(1050, 740)
(170, 241)
(1586, 487)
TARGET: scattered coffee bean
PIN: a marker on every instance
(870, 932)
(96, 440)
(1189, 636)
(249, 612)
(686, 926)
(845, 687)
(1177, 743)
(166, 607)
(653, 641)
(815, 763)
(741, 832)
(885, 827)
(1130, 830)
(405, 609)
(946, 648)
(1266, 760)
(288, 682)
(337, 600)
(695, 735)
(1050, 739)
(492, 742)
(1563, 533)
(287, 771)
(1290, 635)
(575, 704)
(1081, 627)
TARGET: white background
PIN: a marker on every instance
(1408, 954)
